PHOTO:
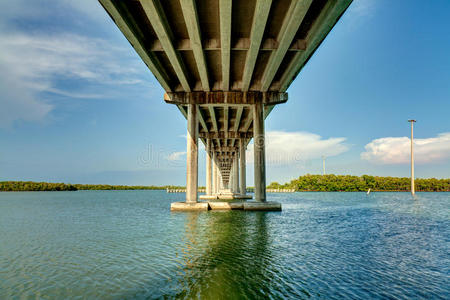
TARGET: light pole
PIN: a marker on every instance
(413, 191)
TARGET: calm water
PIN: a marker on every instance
(126, 244)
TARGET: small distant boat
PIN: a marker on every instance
(368, 191)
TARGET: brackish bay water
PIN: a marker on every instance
(127, 244)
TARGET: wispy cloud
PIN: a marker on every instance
(396, 150)
(297, 147)
(174, 156)
(40, 60)
(34, 64)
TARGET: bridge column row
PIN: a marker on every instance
(238, 172)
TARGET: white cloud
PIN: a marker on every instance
(34, 64)
(396, 150)
(43, 59)
(176, 155)
(297, 147)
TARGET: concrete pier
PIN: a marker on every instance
(259, 152)
(208, 168)
(192, 155)
(236, 174)
(226, 205)
(242, 185)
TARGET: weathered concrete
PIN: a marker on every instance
(236, 174)
(192, 155)
(215, 175)
(208, 167)
(208, 197)
(226, 205)
(259, 153)
(263, 206)
(243, 197)
(186, 206)
(242, 183)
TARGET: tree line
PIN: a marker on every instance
(348, 183)
(314, 183)
(16, 186)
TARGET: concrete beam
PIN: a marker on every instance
(240, 44)
(158, 19)
(148, 59)
(225, 8)
(248, 121)
(225, 149)
(213, 118)
(260, 16)
(294, 17)
(222, 135)
(229, 98)
(225, 119)
(328, 17)
(267, 110)
(192, 24)
(202, 119)
(237, 121)
(182, 110)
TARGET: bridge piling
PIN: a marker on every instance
(259, 152)
(243, 187)
(208, 167)
(192, 155)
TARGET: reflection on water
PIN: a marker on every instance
(127, 245)
(225, 254)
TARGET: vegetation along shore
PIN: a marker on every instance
(306, 183)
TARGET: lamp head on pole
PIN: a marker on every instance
(412, 121)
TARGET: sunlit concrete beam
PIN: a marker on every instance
(158, 19)
(212, 115)
(237, 121)
(192, 24)
(294, 17)
(225, 8)
(260, 16)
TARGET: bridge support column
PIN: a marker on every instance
(214, 175)
(192, 155)
(208, 167)
(243, 187)
(236, 174)
(259, 152)
(191, 165)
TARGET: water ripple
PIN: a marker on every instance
(127, 245)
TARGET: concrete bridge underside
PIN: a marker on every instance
(225, 64)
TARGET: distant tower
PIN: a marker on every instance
(413, 190)
(323, 164)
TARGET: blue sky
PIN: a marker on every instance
(78, 105)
